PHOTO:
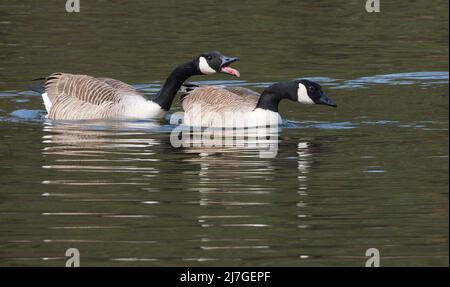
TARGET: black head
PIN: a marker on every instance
(216, 62)
(302, 91)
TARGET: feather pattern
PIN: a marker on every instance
(247, 94)
(218, 99)
(119, 85)
(74, 97)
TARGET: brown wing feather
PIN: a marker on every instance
(247, 94)
(119, 85)
(83, 88)
(218, 98)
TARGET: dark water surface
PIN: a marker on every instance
(372, 173)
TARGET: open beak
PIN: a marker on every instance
(324, 100)
(225, 66)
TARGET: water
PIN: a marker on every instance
(371, 173)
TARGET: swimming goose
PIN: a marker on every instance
(79, 97)
(213, 106)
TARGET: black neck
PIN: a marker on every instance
(165, 96)
(271, 97)
(269, 101)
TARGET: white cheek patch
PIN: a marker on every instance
(302, 95)
(205, 68)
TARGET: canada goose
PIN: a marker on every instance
(213, 106)
(78, 97)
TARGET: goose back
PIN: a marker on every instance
(75, 97)
(206, 104)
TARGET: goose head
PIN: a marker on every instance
(308, 92)
(216, 62)
(302, 91)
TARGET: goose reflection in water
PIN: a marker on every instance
(232, 187)
(99, 147)
(264, 140)
(226, 191)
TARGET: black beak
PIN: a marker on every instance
(324, 100)
(226, 61)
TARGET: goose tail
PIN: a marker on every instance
(38, 88)
(41, 90)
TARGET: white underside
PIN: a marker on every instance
(140, 108)
(255, 118)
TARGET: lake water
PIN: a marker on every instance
(373, 173)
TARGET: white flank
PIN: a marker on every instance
(231, 119)
(136, 107)
(262, 117)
